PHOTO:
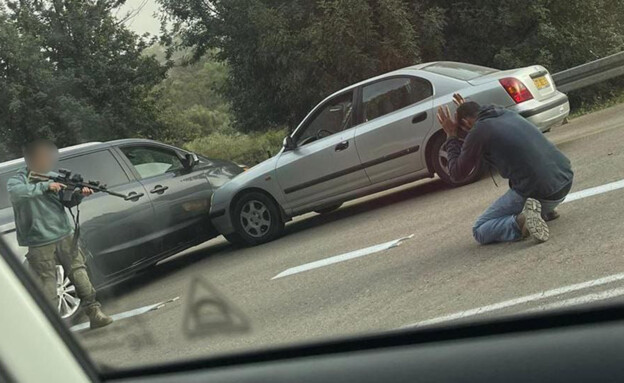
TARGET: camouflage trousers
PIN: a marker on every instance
(43, 261)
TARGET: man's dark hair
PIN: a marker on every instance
(33, 146)
(468, 109)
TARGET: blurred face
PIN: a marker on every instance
(43, 159)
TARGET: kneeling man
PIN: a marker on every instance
(540, 176)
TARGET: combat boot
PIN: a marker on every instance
(531, 223)
(553, 215)
(97, 318)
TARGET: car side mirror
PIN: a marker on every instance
(289, 143)
(190, 160)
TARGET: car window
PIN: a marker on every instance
(151, 161)
(333, 117)
(98, 166)
(459, 71)
(387, 96)
(5, 202)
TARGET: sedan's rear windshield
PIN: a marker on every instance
(464, 72)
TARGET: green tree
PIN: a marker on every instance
(508, 33)
(286, 55)
(70, 71)
(190, 101)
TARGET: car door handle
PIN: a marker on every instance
(420, 117)
(134, 196)
(342, 146)
(159, 189)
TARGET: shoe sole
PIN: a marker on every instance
(535, 224)
(100, 325)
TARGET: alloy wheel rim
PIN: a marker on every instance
(255, 218)
(443, 160)
(68, 301)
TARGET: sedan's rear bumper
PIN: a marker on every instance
(545, 114)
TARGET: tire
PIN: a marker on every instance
(235, 239)
(257, 219)
(69, 303)
(438, 160)
(328, 209)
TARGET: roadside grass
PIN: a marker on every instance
(246, 149)
(598, 102)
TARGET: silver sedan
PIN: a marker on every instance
(371, 136)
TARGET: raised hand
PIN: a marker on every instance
(449, 124)
(458, 99)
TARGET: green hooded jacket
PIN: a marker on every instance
(40, 217)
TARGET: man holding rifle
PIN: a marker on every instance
(44, 227)
(540, 176)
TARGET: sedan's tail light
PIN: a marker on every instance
(516, 89)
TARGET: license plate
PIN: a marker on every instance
(541, 82)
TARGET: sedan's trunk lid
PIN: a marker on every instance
(536, 78)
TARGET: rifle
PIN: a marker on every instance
(74, 182)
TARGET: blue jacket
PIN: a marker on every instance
(516, 148)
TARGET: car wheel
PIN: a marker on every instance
(439, 160)
(328, 209)
(68, 303)
(257, 219)
(235, 239)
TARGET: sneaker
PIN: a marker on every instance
(550, 216)
(97, 318)
(531, 222)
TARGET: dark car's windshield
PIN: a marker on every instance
(245, 175)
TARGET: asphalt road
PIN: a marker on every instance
(229, 302)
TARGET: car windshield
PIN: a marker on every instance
(189, 179)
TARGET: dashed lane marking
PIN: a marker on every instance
(341, 258)
(128, 314)
(521, 300)
(594, 191)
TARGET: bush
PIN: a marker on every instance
(596, 97)
(247, 149)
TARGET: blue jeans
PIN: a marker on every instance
(498, 222)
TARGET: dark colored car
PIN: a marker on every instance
(172, 190)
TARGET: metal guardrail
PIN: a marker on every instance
(591, 73)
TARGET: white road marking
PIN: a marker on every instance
(603, 295)
(594, 191)
(374, 249)
(521, 300)
(341, 258)
(128, 314)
